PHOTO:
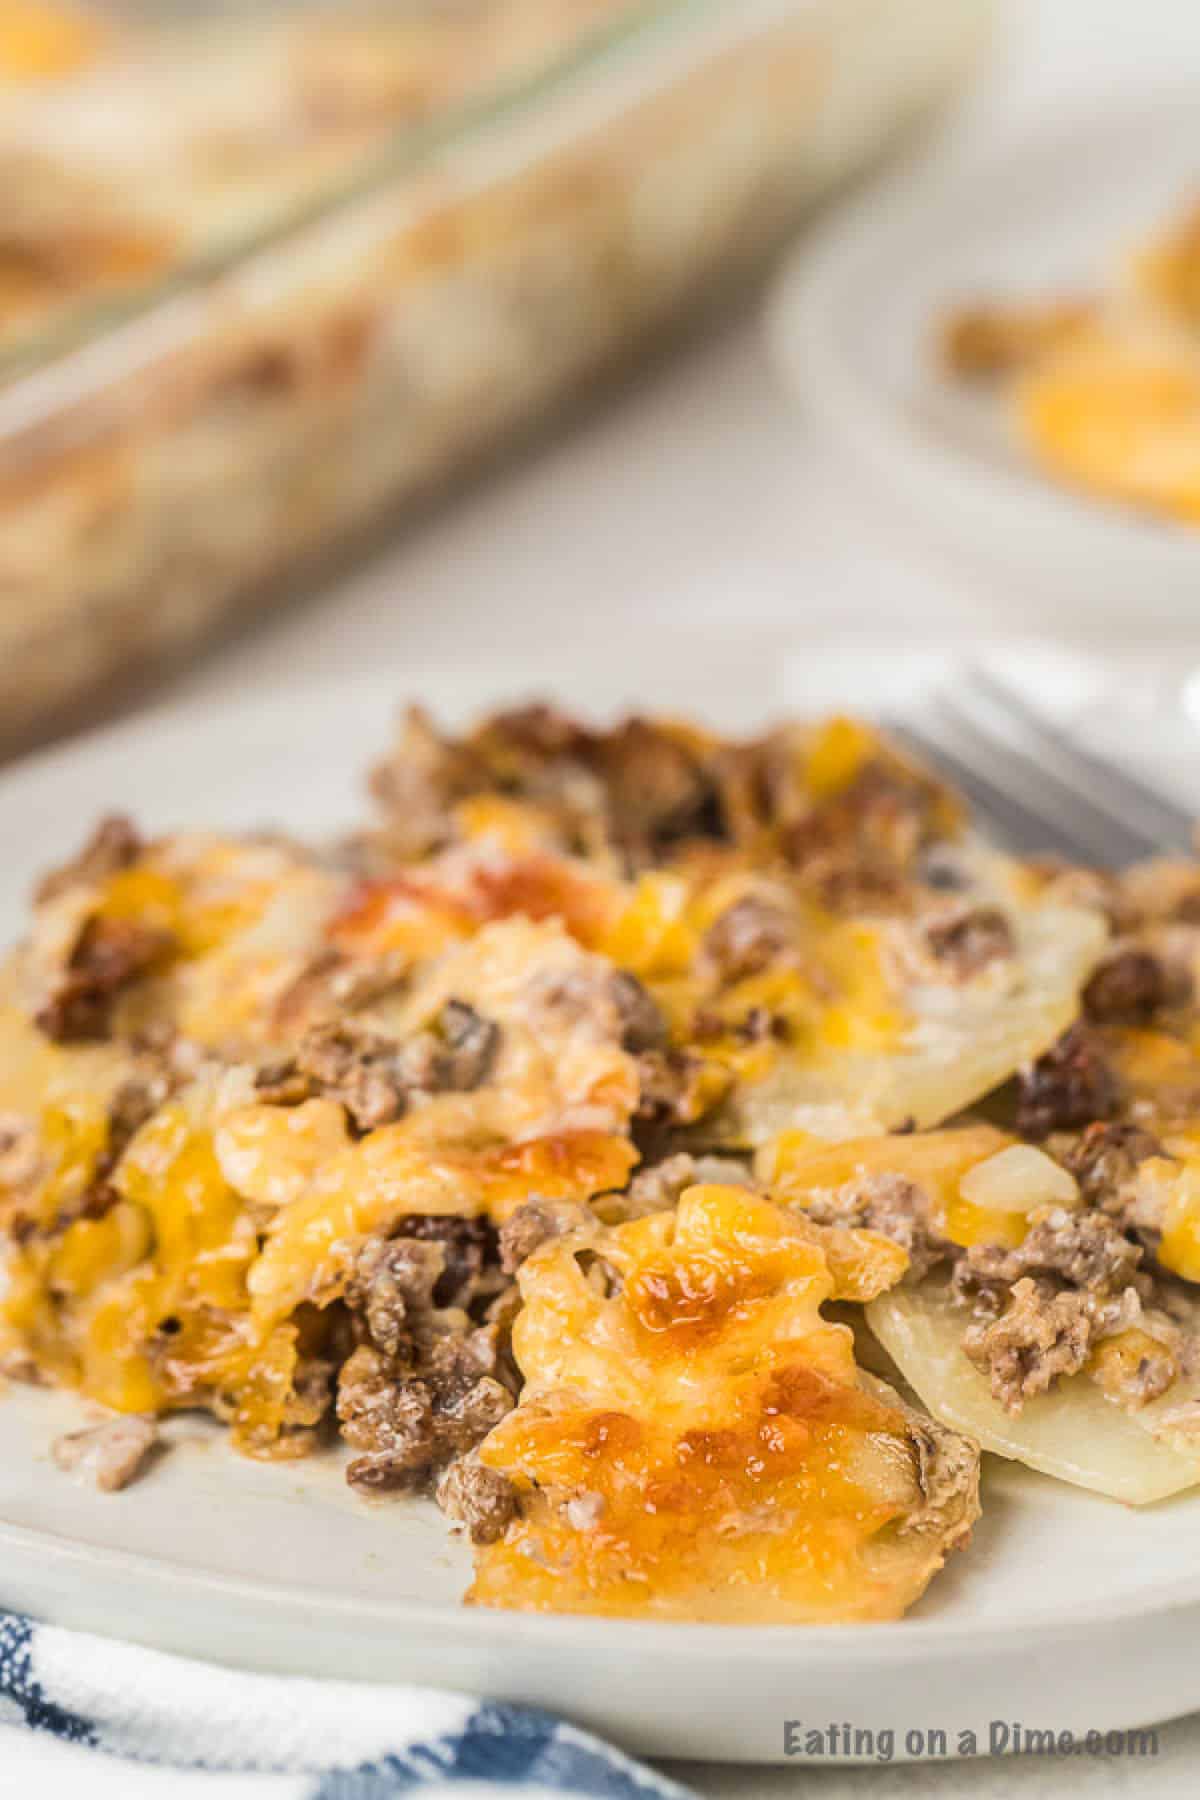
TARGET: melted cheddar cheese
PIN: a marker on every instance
(694, 1439)
(583, 1086)
(1105, 394)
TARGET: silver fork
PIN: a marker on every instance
(1032, 786)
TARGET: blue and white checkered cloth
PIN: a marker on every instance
(121, 1723)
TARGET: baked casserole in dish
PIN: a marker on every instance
(265, 278)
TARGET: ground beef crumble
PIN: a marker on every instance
(420, 783)
(677, 1087)
(658, 1187)
(645, 788)
(114, 845)
(539, 1222)
(135, 1100)
(641, 1021)
(108, 956)
(1080, 1249)
(1069, 1087)
(1106, 1155)
(1128, 988)
(876, 827)
(605, 1004)
(20, 1151)
(746, 938)
(1041, 1335)
(373, 1076)
(894, 1207)
(969, 940)
(849, 884)
(948, 1475)
(480, 1499)
(470, 1250)
(659, 791)
(1104, 1161)
(1040, 1309)
(430, 1377)
(113, 1453)
(639, 788)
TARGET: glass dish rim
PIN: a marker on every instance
(599, 50)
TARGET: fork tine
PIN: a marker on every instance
(1069, 816)
(1019, 829)
(1165, 825)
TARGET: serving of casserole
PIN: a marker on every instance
(679, 1154)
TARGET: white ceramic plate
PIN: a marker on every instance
(1067, 1612)
(853, 321)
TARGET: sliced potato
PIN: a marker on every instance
(959, 1042)
(1074, 1433)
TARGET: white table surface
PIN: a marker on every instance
(699, 498)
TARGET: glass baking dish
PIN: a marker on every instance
(332, 306)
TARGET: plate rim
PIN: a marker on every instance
(1070, 528)
(878, 1642)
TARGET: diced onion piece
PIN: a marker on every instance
(1017, 1180)
(1073, 1432)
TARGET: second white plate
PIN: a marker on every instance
(853, 325)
